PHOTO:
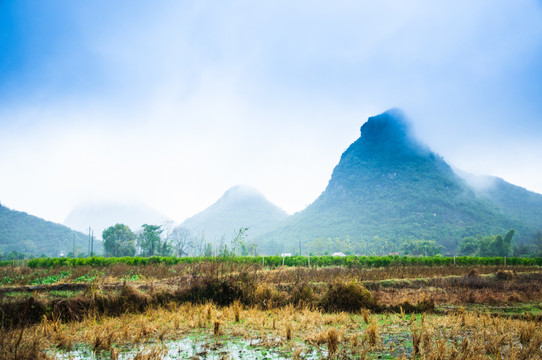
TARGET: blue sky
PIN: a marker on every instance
(171, 102)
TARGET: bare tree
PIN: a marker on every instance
(181, 240)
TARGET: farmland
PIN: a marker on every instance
(253, 307)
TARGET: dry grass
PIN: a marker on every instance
(372, 333)
(461, 335)
(332, 341)
(286, 305)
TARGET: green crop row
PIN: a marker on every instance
(274, 261)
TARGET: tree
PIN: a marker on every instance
(150, 242)
(119, 240)
(486, 245)
(200, 245)
(208, 250)
(238, 242)
(508, 238)
(181, 241)
(468, 246)
(538, 243)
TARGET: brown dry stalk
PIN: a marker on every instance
(332, 341)
(372, 332)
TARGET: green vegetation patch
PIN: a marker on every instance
(275, 261)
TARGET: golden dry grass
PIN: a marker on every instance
(280, 308)
(463, 335)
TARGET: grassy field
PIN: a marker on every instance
(235, 309)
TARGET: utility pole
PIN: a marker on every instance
(92, 244)
(88, 252)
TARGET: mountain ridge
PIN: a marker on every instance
(390, 187)
(30, 234)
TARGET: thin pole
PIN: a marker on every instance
(88, 241)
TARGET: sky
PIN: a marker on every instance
(170, 103)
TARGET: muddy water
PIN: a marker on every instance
(190, 348)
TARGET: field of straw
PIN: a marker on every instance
(148, 312)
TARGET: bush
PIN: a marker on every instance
(505, 275)
(302, 294)
(220, 291)
(351, 297)
(266, 296)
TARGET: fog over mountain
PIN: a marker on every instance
(516, 201)
(100, 216)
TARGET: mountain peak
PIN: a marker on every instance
(388, 134)
(390, 127)
(240, 206)
(242, 190)
(240, 193)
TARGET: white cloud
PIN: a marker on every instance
(173, 103)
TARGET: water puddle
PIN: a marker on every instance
(197, 348)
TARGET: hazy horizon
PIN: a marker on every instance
(171, 103)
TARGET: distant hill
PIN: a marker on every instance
(31, 235)
(515, 201)
(100, 216)
(240, 206)
(389, 187)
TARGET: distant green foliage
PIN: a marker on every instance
(422, 247)
(377, 246)
(275, 261)
(492, 245)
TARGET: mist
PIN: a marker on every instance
(169, 104)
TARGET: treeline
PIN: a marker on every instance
(499, 245)
(275, 261)
(495, 245)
